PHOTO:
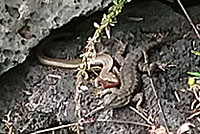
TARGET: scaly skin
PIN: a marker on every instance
(104, 59)
(130, 79)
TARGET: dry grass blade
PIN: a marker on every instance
(189, 19)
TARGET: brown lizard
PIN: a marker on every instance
(130, 79)
(101, 58)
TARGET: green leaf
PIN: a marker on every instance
(96, 25)
(104, 16)
(115, 2)
(197, 74)
(112, 24)
(191, 81)
(196, 52)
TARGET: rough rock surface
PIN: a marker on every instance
(35, 97)
(23, 23)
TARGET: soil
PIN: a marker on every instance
(39, 97)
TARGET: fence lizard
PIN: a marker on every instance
(130, 78)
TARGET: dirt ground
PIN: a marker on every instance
(39, 97)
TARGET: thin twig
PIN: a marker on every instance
(94, 111)
(59, 127)
(194, 114)
(77, 99)
(177, 96)
(8, 122)
(159, 105)
(87, 122)
(124, 122)
(189, 19)
(141, 115)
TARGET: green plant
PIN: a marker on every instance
(108, 20)
(191, 80)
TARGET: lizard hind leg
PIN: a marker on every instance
(138, 98)
(113, 99)
(145, 66)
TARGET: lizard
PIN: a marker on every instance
(130, 78)
(106, 77)
(130, 81)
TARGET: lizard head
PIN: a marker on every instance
(111, 81)
(111, 78)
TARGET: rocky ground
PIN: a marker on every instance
(40, 97)
(24, 23)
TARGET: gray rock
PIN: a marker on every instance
(23, 23)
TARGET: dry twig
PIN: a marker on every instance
(189, 19)
(158, 101)
(87, 122)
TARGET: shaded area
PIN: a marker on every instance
(42, 97)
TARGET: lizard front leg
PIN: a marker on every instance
(152, 67)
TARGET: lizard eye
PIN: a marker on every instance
(114, 76)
